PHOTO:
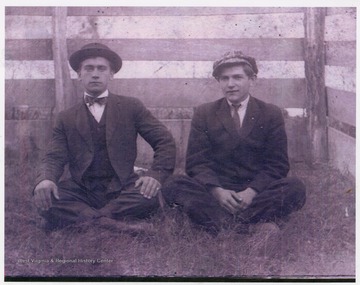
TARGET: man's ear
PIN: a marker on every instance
(79, 76)
(253, 80)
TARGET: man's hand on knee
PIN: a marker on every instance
(43, 193)
(149, 187)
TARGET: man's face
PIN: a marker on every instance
(235, 84)
(95, 74)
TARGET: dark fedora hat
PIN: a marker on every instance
(233, 58)
(95, 50)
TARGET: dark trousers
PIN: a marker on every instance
(78, 203)
(276, 202)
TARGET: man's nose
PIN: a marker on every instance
(95, 73)
(231, 83)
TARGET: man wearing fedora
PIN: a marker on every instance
(97, 140)
(237, 159)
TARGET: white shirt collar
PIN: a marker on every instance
(243, 103)
(104, 94)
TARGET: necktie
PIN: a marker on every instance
(236, 117)
(92, 100)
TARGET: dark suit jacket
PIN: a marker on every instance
(126, 117)
(218, 156)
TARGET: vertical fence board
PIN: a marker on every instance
(63, 84)
(316, 92)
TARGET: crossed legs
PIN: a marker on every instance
(281, 198)
(77, 204)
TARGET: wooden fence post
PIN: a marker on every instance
(64, 88)
(315, 82)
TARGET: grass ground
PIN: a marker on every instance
(318, 241)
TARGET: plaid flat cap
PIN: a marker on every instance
(232, 58)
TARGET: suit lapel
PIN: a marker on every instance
(82, 124)
(224, 116)
(251, 117)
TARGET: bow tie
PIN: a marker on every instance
(92, 100)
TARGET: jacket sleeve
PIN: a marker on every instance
(56, 156)
(198, 158)
(275, 164)
(161, 141)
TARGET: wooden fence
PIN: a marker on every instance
(168, 54)
(340, 81)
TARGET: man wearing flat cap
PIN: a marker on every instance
(236, 162)
(97, 140)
